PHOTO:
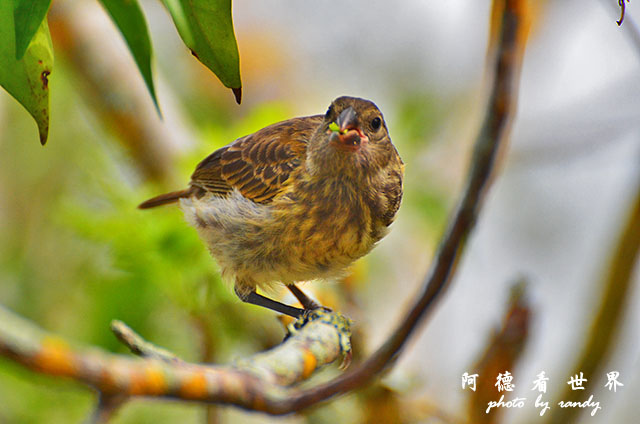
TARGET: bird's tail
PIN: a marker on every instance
(164, 199)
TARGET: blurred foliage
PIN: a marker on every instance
(418, 116)
(128, 17)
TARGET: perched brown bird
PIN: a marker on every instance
(298, 200)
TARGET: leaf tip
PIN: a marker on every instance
(43, 137)
(43, 126)
(238, 93)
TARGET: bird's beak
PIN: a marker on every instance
(347, 120)
(345, 132)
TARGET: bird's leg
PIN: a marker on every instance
(257, 299)
(306, 302)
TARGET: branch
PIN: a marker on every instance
(253, 383)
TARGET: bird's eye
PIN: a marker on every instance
(376, 123)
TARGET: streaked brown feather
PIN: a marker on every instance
(208, 175)
(257, 165)
(393, 192)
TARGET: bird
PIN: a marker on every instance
(298, 200)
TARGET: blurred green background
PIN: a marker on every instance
(75, 252)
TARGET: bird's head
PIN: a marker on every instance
(352, 138)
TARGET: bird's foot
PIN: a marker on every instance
(259, 300)
(327, 316)
(307, 303)
(311, 313)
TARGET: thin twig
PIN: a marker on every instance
(622, 10)
(106, 408)
(139, 346)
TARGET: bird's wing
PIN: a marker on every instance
(257, 165)
(393, 193)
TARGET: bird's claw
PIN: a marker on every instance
(312, 312)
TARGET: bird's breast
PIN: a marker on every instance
(330, 222)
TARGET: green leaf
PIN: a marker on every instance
(27, 15)
(180, 20)
(26, 79)
(128, 17)
(206, 27)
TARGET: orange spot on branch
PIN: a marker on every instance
(156, 380)
(194, 387)
(55, 357)
(309, 363)
(148, 381)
